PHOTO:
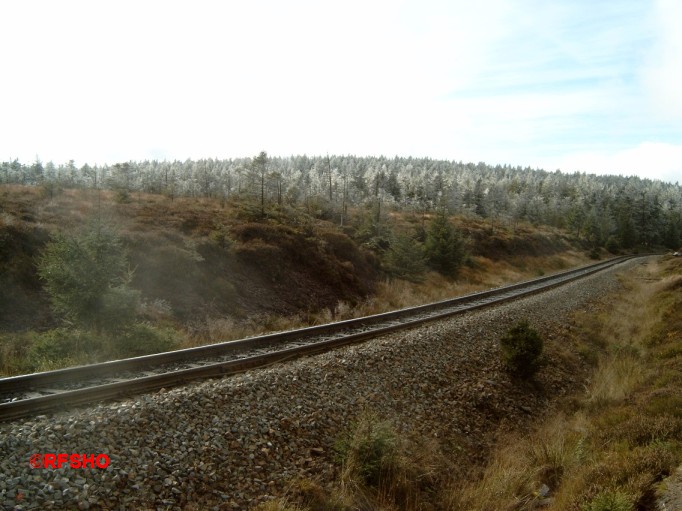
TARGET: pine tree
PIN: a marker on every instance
(405, 258)
(259, 167)
(444, 247)
(87, 278)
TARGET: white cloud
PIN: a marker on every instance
(653, 160)
(501, 82)
(662, 74)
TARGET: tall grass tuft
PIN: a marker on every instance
(384, 469)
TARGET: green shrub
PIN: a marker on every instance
(13, 352)
(612, 245)
(521, 349)
(610, 501)
(50, 189)
(221, 237)
(405, 259)
(122, 196)
(369, 452)
(143, 339)
(63, 347)
(87, 278)
(444, 247)
(119, 307)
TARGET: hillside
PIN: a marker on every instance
(192, 257)
(202, 257)
(605, 211)
(213, 270)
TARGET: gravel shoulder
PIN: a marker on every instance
(230, 443)
(670, 492)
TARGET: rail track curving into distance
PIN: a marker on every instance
(39, 392)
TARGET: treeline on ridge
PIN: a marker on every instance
(606, 211)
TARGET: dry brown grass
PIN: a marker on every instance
(631, 321)
(481, 275)
(13, 353)
(616, 378)
(278, 505)
(522, 472)
(626, 433)
(391, 295)
(215, 330)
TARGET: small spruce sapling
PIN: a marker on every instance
(521, 349)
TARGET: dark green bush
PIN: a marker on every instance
(444, 247)
(62, 347)
(87, 278)
(143, 339)
(612, 245)
(521, 349)
(122, 196)
(50, 189)
(405, 259)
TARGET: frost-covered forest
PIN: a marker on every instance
(605, 210)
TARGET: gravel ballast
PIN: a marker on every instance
(234, 442)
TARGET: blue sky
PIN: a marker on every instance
(576, 85)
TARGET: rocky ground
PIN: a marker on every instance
(228, 444)
(670, 493)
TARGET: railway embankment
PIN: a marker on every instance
(231, 443)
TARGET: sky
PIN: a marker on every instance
(576, 85)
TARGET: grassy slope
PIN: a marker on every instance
(195, 259)
(610, 447)
(212, 272)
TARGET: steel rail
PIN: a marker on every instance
(403, 318)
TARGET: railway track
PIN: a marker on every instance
(39, 392)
